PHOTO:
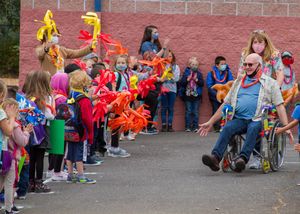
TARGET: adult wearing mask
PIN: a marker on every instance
(151, 43)
(272, 66)
(260, 43)
(52, 56)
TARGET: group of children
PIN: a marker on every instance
(76, 84)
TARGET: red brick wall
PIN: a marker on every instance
(201, 36)
(208, 7)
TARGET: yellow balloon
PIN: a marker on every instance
(133, 81)
(91, 18)
(49, 27)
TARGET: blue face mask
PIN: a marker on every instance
(54, 40)
(223, 67)
(121, 67)
(147, 68)
(155, 36)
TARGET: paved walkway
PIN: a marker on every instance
(165, 175)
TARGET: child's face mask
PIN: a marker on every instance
(121, 67)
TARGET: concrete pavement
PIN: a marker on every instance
(164, 175)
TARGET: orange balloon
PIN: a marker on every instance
(222, 90)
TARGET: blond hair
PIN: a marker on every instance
(9, 101)
(79, 79)
(3, 89)
(191, 60)
(260, 35)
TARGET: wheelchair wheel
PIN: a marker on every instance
(276, 148)
(233, 151)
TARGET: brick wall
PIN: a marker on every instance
(289, 8)
(190, 35)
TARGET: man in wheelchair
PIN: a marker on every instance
(247, 96)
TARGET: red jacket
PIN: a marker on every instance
(87, 119)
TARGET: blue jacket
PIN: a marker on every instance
(210, 80)
(184, 82)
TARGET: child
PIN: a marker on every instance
(17, 141)
(192, 82)
(60, 86)
(79, 82)
(289, 74)
(168, 98)
(220, 74)
(38, 91)
(122, 84)
(8, 114)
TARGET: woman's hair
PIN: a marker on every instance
(45, 37)
(260, 35)
(118, 57)
(38, 85)
(147, 37)
(192, 59)
(3, 89)
(79, 79)
(173, 57)
(9, 101)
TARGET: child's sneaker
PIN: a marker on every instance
(117, 152)
(122, 137)
(21, 197)
(40, 187)
(31, 187)
(130, 137)
(85, 180)
(49, 173)
(59, 177)
(188, 130)
(14, 209)
(71, 178)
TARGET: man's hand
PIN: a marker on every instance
(297, 147)
(279, 130)
(204, 128)
(290, 136)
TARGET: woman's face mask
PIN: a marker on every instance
(54, 39)
(258, 47)
(155, 36)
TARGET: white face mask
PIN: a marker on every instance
(54, 40)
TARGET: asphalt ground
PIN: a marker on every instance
(165, 175)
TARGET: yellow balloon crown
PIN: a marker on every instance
(49, 27)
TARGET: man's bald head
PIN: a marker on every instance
(254, 58)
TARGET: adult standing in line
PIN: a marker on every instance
(150, 45)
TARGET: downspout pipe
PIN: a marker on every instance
(97, 4)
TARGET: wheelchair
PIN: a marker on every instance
(273, 146)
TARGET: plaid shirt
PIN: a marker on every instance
(269, 94)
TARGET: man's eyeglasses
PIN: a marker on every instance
(248, 64)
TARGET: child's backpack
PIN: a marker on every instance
(71, 114)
